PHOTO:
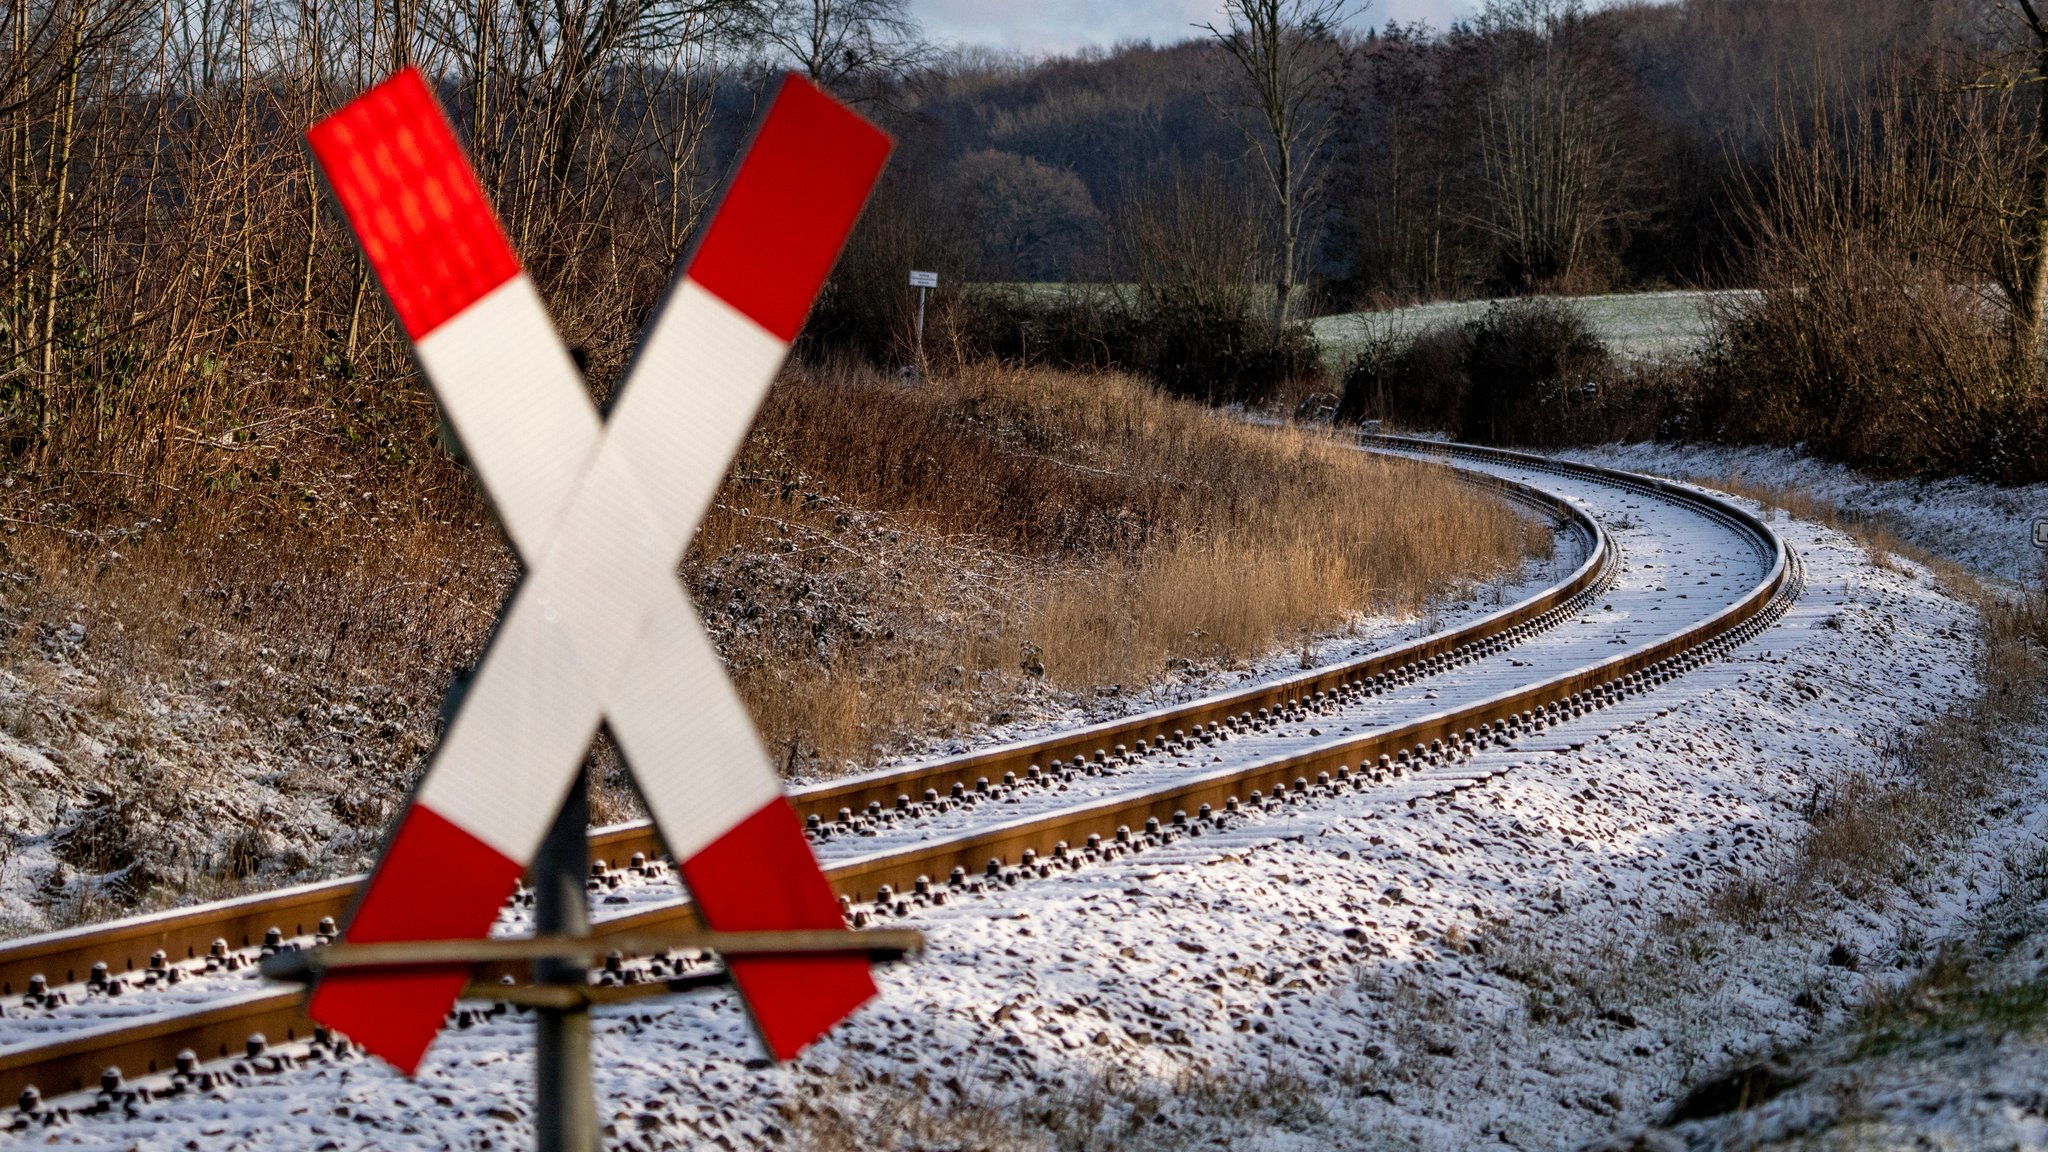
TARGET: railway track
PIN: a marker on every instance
(175, 992)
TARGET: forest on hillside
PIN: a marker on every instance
(1638, 126)
(173, 282)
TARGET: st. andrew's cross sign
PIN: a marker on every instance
(599, 511)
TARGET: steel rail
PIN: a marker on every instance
(74, 1061)
(127, 945)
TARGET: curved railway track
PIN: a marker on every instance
(170, 991)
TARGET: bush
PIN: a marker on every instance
(1885, 335)
(1863, 359)
(1079, 328)
(1527, 372)
(1221, 351)
(1880, 366)
(1531, 363)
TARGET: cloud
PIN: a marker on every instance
(1037, 27)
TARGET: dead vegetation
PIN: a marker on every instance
(1004, 533)
(238, 688)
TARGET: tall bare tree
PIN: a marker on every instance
(1561, 148)
(2024, 268)
(840, 43)
(1288, 61)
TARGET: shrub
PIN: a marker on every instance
(1871, 362)
(1221, 350)
(1078, 328)
(1885, 335)
(1531, 362)
(1525, 372)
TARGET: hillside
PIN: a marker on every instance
(223, 698)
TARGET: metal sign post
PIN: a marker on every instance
(566, 1117)
(599, 509)
(2041, 533)
(922, 281)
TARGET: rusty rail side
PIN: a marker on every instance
(125, 945)
(73, 1062)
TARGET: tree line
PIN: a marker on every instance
(173, 285)
(1542, 144)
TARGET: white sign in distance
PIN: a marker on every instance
(924, 279)
(2041, 533)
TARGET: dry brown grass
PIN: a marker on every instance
(1022, 529)
(887, 564)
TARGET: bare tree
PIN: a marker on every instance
(838, 43)
(1289, 60)
(2023, 269)
(170, 273)
(535, 75)
(1561, 152)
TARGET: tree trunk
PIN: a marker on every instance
(2030, 280)
(60, 182)
(2027, 310)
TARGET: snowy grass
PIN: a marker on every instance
(1639, 325)
(1981, 527)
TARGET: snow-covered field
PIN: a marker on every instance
(1519, 952)
(1637, 325)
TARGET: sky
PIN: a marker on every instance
(1041, 26)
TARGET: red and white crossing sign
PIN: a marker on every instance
(599, 511)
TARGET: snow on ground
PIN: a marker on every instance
(1982, 527)
(1049, 712)
(1485, 958)
(1635, 325)
(113, 784)
(1948, 1063)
